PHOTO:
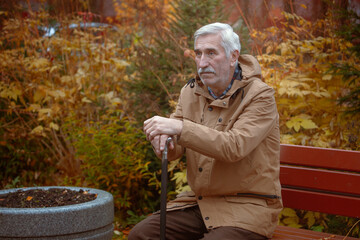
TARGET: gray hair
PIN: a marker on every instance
(230, 40)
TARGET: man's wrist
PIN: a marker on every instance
(180, 127)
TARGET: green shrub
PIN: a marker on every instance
(113, 154)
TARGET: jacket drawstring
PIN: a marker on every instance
(191, 82)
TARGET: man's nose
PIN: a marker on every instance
(203, 62)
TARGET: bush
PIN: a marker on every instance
(67, 118)
(295, 61)
(114, 157)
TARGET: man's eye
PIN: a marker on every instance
(198, 54)
(211, 53)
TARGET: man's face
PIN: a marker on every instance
(214, 68)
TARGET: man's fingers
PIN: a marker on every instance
(156, 144)
(151, 133)
(161, 126)
(150, 128)
(171, 145)
(163, 141)
(147, 125)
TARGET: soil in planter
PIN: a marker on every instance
(40, 198)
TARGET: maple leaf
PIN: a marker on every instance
(301, 121)
(39, 130)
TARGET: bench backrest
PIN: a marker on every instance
(321, 179)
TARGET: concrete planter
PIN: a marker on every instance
(90, 220)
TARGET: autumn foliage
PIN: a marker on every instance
(72, 104)
(65, 116)
(297, 65)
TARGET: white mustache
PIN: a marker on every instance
(207, 69)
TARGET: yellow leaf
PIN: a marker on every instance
(288, 212)
(115, 101)
(291, 220)
(289, 124)
(327, 77)
(39, 130)
(173, 164)
(180, 177)
(121, 64)
(45, 111)
(308, 124)
(57, 94)
(11, 92)
(326, 94)
(39, 95)
(269, 49)
(53, 68)
(86, 100)
(34, 107)
(285, 49)
(185, 188)
(288, 139)
(311, 219)
(303, 6)
(15, 93)
(39, 63)
(65, 79)
(54, 126)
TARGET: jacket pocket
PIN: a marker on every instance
(247, 200)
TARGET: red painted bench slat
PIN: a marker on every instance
(321, 202)
(342, 182)
(320, 157)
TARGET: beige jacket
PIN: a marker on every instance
(232, 152)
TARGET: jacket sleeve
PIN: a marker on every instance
(258, 118)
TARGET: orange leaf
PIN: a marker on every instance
(29, 198)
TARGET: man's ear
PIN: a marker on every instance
(234, 56)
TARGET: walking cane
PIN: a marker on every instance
(163, 198)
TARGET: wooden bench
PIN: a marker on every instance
(320, 180)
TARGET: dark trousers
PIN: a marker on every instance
(187, 224)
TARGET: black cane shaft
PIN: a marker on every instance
(163, 197)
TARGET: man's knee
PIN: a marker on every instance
(138, 233)
(145, 230)
(135, 234)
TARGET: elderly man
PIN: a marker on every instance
(226, 121)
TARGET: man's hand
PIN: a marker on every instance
(158, 129)
(159, 142)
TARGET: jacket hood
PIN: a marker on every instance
(250, 66)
